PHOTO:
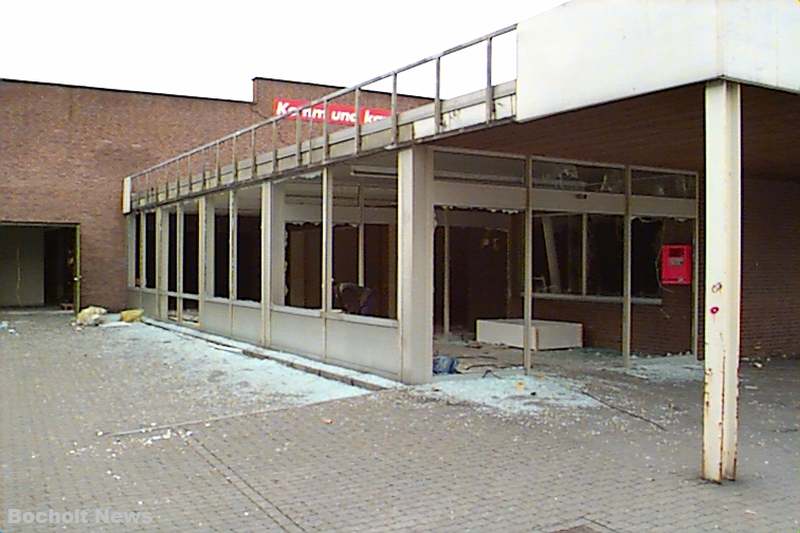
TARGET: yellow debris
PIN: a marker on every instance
(90, 316)
(131, 315)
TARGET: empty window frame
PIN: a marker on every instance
(220, 283)
(191, 245)
(663, 183)
(559, 268)
(136, 251)
(150, 250)
(248, 244)
(364, 246)
(560, 245)
(171, 218)
(301, 216)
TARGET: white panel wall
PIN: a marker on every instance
(215, 317)
(593, 51)
(365, 347)
(297, 333)
(247, 323)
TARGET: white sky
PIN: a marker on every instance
(214, 49)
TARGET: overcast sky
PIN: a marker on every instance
(215, 48)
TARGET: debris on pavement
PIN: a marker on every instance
(90, 316)
(131, 315)
(511, 394)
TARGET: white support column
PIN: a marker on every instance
(327, 252)
(446, 272)
(722, 279)
(415, 263)
(179, 221)
(527, 304)
(584, 253)
(142, 249)
(210, 242)
(162, 262)
(142, 255)
(202, 255)
(233, 222)
(626, 273)
(361, 211)
(266, 263)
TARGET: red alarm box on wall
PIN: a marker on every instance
(676, 264)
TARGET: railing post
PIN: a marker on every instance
(298, 138)
(395, 125)
(235, 160)
(357, 137)
(437, 102)
(218, 166)
(325, 146)
(489, 90)
(254, 163)
(274, 146)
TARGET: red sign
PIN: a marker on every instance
(344, 115)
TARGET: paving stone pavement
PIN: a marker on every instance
(387, 461)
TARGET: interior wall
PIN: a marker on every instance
(656, 328)
(21, 266)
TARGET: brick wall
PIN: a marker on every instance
(64, 151)
(770, 267)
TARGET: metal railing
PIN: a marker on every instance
(208, 160)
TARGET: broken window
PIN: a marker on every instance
(248, 244)
(364, 248)
(219, 259)
(662, 183)
(604, 255)
(137, 256)
(191, 235)
(150, 250)
(299, 202)
(572, 177)
(557, 260)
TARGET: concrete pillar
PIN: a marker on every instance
(415, 253)
(266, 263)
(162, 261)
(202, 254)
(722, 279)
(179, 224)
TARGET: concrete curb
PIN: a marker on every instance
(310, 366)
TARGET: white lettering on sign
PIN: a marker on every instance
(337, 113)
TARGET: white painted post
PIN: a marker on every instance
(415, 272)
(266, 263)
(162, 262)
(202, 249)
(233, 222)
(142, 256)
(446, 267)
(179, 221)
(327, 253)
(211, 246)
(626, 274)
(527, 305)
(722, 279)
(361, 211)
